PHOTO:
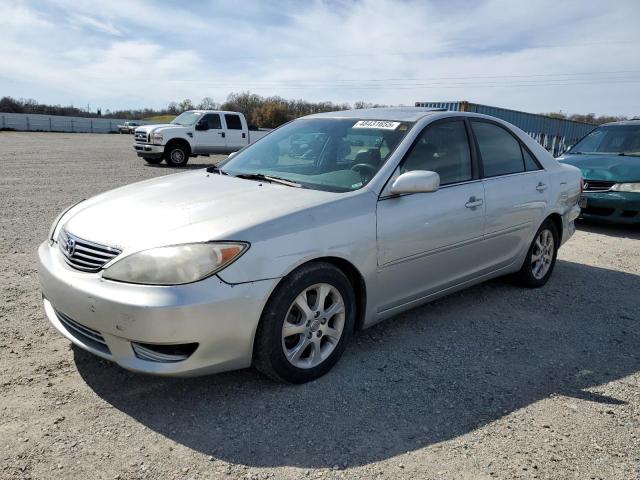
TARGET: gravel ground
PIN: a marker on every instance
(492, 382)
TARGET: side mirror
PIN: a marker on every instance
(232, 154)
(417, 181)
(202, 125)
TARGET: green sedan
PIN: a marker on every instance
(609, 158)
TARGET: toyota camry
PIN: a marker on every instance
(329, 224)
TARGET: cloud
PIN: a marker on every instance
(91, 23)
(540, 56)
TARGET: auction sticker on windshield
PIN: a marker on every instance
(379, 124)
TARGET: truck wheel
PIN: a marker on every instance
(153, 161)
(176, 155)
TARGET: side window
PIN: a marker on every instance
(501, 153)
(213, 121)
(530, 163)
(442, 148)
(233, 121)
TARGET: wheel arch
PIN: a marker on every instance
(557, 222)
(178, 141)
(353, 275)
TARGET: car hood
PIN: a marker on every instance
(615, 168)
(162, 126)
(188, 207)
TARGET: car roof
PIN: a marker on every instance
(210, 111)
(399, 114)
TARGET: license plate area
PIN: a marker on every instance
(582, 202)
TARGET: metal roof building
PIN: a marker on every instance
(554, 134)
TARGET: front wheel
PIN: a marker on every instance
(176, 155)
(153, 161)
(541, 257)
(305, 324)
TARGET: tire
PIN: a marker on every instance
(153, 161)
(176, 154)
(533, 274)
(308, 352)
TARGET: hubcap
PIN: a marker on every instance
(177, 156)
(542, 254)
(313, 325)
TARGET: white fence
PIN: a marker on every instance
(58, 123)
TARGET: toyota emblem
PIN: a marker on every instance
(70, 246)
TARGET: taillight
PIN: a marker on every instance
(581, 184)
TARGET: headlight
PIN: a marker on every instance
(53, 234)
(156, 138)
(175, 265)
(626, 187)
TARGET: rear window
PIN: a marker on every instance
(500, 151)
(233, 121)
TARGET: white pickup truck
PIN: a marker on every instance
(193, 133)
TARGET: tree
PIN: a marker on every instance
(244, 102)
(185, 105)
(172, 108)
(271, 115)
(207, 103)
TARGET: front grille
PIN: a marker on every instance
(598, 185)
(141, 137)
(83, 254)
(86, 335)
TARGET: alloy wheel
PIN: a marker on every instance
(542, 254)
(313, 325)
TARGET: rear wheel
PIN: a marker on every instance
(176, 155)
(305, 324)
(541, 257)
(153, 161)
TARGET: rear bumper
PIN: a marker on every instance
(147, 150)
(612, 207)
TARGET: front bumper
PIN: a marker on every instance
(148, 150)
(612, 207)
(220, 318)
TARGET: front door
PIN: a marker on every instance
(211, 140)
(428, 242)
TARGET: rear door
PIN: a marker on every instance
(211, 140)
(430, 241)
(236, 132)
(516, 191)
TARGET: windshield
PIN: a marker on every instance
(332, 154)
(610, 139)
(187, 118)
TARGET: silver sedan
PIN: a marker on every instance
(329, 224)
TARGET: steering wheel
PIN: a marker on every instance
(365, 170)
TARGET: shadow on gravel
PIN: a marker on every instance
(188, 166)
(428, 375)
(613, 230)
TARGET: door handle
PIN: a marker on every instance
(474, 202)
(221, 133)
(541, 187)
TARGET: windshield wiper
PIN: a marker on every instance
(268, 178)
(216, 169)
(629, 154)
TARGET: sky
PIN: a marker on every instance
(575, 56)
